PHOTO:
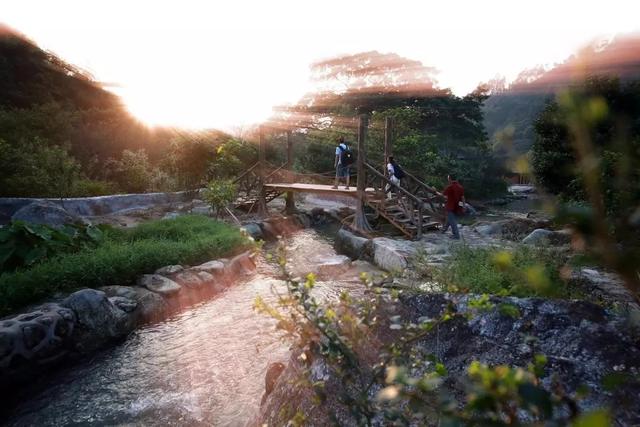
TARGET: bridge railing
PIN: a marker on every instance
(411, 205)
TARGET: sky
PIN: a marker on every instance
(225, 64)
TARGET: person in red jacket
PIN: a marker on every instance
(454, 193)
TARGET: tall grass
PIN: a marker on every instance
(523, 271)
(122, 256)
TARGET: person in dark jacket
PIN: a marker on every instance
(454, 193)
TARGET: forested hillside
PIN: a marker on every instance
(510, 111)
(62, 134)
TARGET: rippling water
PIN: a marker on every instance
(205, 366)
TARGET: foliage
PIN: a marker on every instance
(219, 193)
(400, 385)
(35, 169)
(588, 152)
(232, 158)
(23, 244)
(608, 119)
(120, 257)
(525, 271)
(132, 172)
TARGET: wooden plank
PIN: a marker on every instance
(315, 188)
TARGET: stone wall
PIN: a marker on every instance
(95, 206)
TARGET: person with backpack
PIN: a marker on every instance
(454, 193)
(342, 163)
(395, 175)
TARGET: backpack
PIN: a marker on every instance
(346, 156)
(398, 172)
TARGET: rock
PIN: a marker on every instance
(330, 266)
(98, 319)
(47, 213)
(168, 270)
(253, 230)
(542, 237)
(303, 219)
(189, 279)
(201, 210)
(159, 284)
(40, 336)
(608, 288)
(582, 342)
(489, 229)
(273, 373)
(125, 304)
(214, 267)
(150, 306)
(171, 215)
(240, 265)
(390, 254)
(349, 244)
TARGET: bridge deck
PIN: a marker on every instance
(316, 188)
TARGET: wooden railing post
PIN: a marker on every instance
(262, 149)
(290, 204)
(388, 142)
(360, 222)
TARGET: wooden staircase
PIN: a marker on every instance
(411, 212)
(249, 187)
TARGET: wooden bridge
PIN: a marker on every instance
(412, 208)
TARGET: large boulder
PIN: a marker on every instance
(168, 270)
(543, 237)
(40, 336)
(332, 266)
(159, 284)
(349, 244)
(47, 213)
(391, 255)
(98, 319)
(253, 230)
(150, 306)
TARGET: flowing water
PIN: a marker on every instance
(205, 366)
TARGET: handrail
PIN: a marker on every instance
(402, 190)
(247, 172)
(276, 170)
(427, 186)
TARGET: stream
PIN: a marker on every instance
(204, 366)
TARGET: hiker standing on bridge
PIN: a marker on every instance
(343, 161)
(454, 193)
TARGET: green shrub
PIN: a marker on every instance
(120, 258)
(219, 193)
(525, 271)
(23, 244)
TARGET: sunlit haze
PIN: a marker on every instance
(224, 64)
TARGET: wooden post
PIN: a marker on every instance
(262, 170)
(290, 204)
(388, 142)
(360, 222)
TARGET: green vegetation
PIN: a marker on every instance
(523, 272)
(219, 194)
(588, 154)
(395, 384)
(120, 257)
(23, 244)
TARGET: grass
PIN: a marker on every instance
(120, 258)
(522, 272)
